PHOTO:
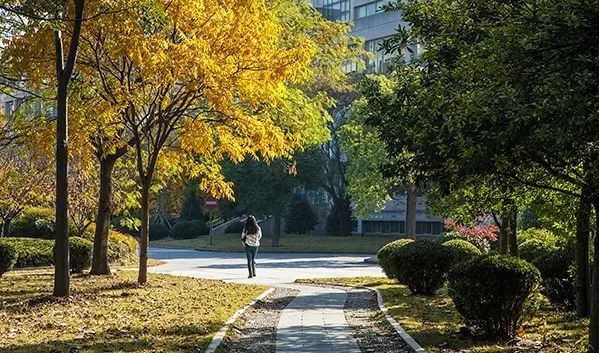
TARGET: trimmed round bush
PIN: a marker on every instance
(556, 268)
(158, 231)
(80, 254)
(385, 253)
(460, 250)
(490, 293)
(533, 249)
(422, 265)
(186, 230)
(234, 227)
(8, 257)
(34, 222)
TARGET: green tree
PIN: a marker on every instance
(300, 218)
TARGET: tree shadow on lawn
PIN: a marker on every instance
(39, 292)
(175, 338)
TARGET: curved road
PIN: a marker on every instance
(271, 268)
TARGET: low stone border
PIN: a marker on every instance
(218, 337)
(402, 333)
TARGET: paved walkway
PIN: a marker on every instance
(315, 322)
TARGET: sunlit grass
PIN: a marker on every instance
(434, 323)
(292, 243)
(115, 314)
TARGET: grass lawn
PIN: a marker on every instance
(114, 314)
(434, 323)
(289, 243)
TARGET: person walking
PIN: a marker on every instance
(250, 237)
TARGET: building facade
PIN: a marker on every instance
(370, 22)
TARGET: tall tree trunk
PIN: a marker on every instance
(502, 225)
(5, 227)
(276, 234)
(344, 210)
(512, 240)
(64, 72)
(411, 205)
(594, 324)
(583, 220)
(100, 255)
(142, 277)
(61, 244)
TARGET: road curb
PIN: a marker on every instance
(218, 337)
(402, 333)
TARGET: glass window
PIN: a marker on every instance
(369, 9)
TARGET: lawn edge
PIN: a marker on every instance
(402, 333)
(279, 251)
(217, 339)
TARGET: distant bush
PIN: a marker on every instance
(8, 257)
(422, 265)
(32, 252)
(461, 250)
(300, 218)
(80, 254)
(186, 230)
(480, 243)
(538, 235)
(490, 293)
(158, 231)
(34, 222)
(234, 227)
(384, 256)
(557, 270)
(533, 249)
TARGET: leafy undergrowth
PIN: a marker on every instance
(288, 243)
(115, 314)
(435, 324)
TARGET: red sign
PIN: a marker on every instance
(210, 203)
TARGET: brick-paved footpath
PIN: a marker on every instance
(315, 322)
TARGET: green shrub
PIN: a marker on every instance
(422, 265)
(234, 227)
(121, 247)
(539, 235)
(34, 222)
(158, 231)
(8, 257)
(300, 218)
(490, 293)
(385, 253)
(461, 250)
(556, 268)
(480, 243)
(32, 252)
(532, 249)
(80, 250)
(186, 230)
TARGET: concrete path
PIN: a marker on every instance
(315, 322)
(272, 268)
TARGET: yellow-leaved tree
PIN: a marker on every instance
(198, 82)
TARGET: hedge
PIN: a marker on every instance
(385, 255)
(422, 266)
(8, 257)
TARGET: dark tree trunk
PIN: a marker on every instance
(64, 72)
(344, 210)
(583, 220)
(504, 235)
(512, 240)
(144, 235)
(61, 244)
(594, 324)
(276, 232)
(411, 202)
(5, 231)
(100, 255)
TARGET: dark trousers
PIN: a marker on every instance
(250, 254)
